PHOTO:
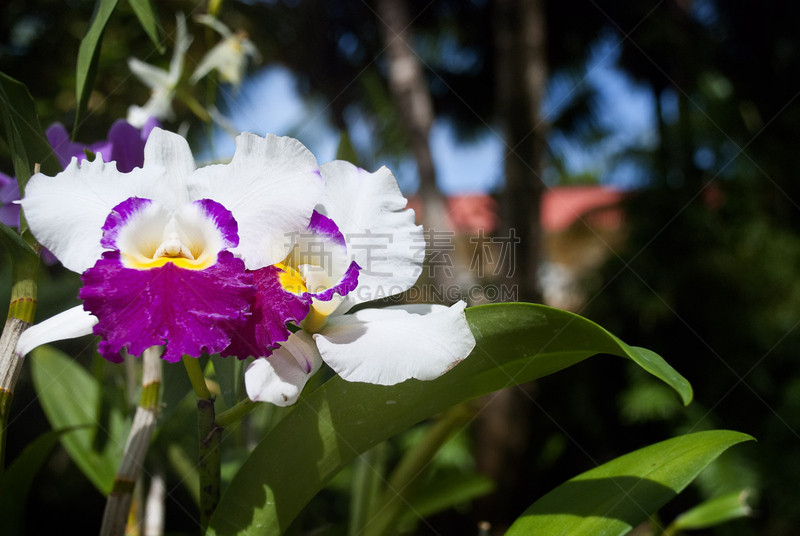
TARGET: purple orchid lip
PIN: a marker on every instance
(190, 311)
(271, 309)
(145, 294)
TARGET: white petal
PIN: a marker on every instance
(388, 346)
(70, 324)
(271, 186)
(215, 24)
(150, 75)
(66, 213)
(381, 237)
(280, 378)
(169, 151)
(206, 65)
(159, 106)
(182, 42)
(228, 58)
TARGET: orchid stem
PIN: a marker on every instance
(196, 377)
(118, 505)
(209, 436)
(236, 413)
(21, 311)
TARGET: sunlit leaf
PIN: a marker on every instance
(615, 497)
(713, 512)
(69, 397)
(327, 429)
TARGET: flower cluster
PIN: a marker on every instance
(225, 259)
(228, 57)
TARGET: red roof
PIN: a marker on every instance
(597, 205)
(561, 207)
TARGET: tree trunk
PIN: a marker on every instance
(413, 100)
(502, 430)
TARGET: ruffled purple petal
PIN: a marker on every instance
(127, 145)
(271, 309)
(190, 311)
(346, 284)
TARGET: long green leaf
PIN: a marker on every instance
(19, 477)
(444, 493)
(148, 18)
(69, 397)
(516, 343)
(88, 54)
(14, 243)
(22, 132)
(712, 512)
(615, 497)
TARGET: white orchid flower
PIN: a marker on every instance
(229, 56)
(167, 251)
(162, 83)
(371, 250)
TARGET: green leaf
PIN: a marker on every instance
(229, 374)
(366, 486)
(14, 243)
(148, 18)
(441, 494)
(69, 397)
(346, 150)
(22, 132)
(407, 478)
(88, 54)
(713, 512)
(615, 497)
(327, 429)
(19, 477)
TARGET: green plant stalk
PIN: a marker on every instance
(209, 465)
(367, 487)
(196, 377)
(214, 7)
(409, 474)
(118, 505)
(236, 413)
(20, 316)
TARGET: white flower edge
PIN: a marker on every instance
(271, 187)
(378, 346)
(280, 378)
(360, 202)
(70, 324)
